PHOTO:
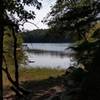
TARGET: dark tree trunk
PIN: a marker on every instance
(1, 62)
(15, 87)
(1, 48)
(15, 58)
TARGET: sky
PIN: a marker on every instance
(40, 14)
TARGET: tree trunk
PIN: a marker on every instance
(15, 58)
(1, 62)
(18, 89)
(1, 48)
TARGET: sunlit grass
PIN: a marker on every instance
(26, 74)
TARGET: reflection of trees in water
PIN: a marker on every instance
(51, 53)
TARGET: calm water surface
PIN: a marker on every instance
(53, 55)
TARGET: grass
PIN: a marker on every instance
(28, 74)
(34, 80)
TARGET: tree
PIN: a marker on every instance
(13, 14)
(8, 42)
(73, 16)
(81, 16)
(1, 48)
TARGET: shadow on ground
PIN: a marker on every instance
(39, 90)
(44, 88)
(65, 87)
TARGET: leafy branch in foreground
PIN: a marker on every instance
(73, 17)
(78, 17)
(12, 13)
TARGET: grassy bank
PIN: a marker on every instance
(27, 74)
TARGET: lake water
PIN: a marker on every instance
(53, 55)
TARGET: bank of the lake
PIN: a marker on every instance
(50, 84)
(36, 74)
(33, 79)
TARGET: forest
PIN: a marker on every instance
(75, 21)
(46, 36)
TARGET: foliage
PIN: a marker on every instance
(12, 15)
(82, 17)
(35, 36)
(73, 16)
(44, 36)
(15, 12)
(8, 48)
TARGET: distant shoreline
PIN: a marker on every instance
(49, 42)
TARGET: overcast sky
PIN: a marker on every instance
(40, 14)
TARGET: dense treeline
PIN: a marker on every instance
(46, 36)
(34, 36)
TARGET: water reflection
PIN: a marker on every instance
(48, 59)
(49, 55)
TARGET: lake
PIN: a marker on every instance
(53, 55)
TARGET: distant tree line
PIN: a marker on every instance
(46, 36)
